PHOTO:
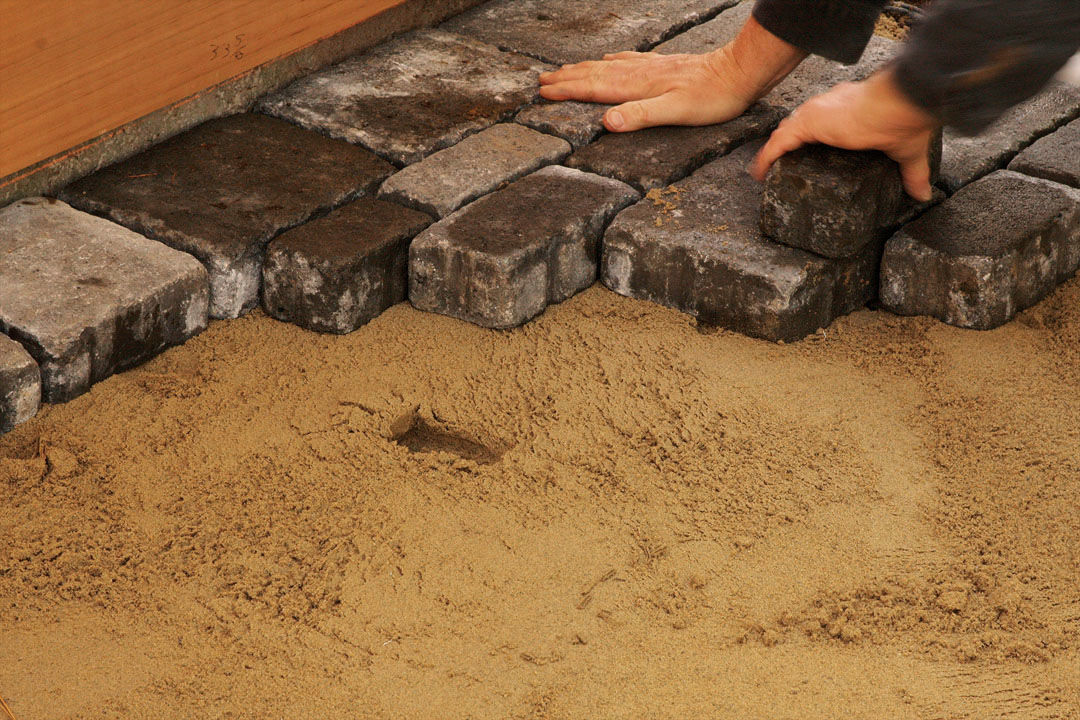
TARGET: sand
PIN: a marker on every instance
(608, 513)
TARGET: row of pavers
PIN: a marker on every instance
(325, 212)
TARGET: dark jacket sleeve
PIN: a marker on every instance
(970, 60)
(836, 29)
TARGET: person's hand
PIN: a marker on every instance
(652, 89)
(870, 115)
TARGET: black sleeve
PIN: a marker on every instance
(970, 60)
(836, 29)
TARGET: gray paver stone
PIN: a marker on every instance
(579, 123)
(696, 247)
(814, 75)
(20, 385)
(412, 96)
(569, 31)
(1055, 157)
(501, 260)
(966, 159)
(341, 271)
(443, 182)
(994, 248)
(835, 202)
(222, 190)
(659, 156)
(88, 298)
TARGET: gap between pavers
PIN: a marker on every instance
(697, 247)
(412, 96)
(996, 247)
(570, 31)
(224, 189)
(479, 164)
(1054, 157)
(20, 385)
(501, 260)
(88, 298)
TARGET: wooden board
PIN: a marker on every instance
(72, 70)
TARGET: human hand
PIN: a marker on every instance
(869, 115)
(652, 89)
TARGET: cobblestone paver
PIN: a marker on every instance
(578, 123)
(569, 31)
(443, 182)
(968, 158)
(1055, 157)
(87, 297)
(412, 96)
(659, 156)
(501, 260)
(341, 271)
(697, 247)
(20, 385)
(222, 190)
(996, 247)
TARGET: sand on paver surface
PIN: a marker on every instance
(608, 513)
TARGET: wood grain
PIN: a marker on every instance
(72, 70)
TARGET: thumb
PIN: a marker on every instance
(638, 114)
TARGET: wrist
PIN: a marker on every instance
(755, 61)
(885, 97)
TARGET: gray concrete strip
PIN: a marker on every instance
(656, 157)
(994, 248)
(441, 183)
(966, 159)
(578, 123)
(570, 31)
(412, 96)
(339, 272)
(20, 385)
(696, 246)
(501, 260)
(1054, 157)
(224, 189)
(88, 298)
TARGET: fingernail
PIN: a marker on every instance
(615, 120)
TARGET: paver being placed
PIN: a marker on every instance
(994, 248)
(341, 271)
(443, 182)
(835, 202)
(222, 190)
(966, 159)
(578, 123)
(814, 75)
(88, 298)
(412, 96)
(656, 157)
(20, 385)
(569, 31)
(697, 247)
(1055, 157)
(501, 260)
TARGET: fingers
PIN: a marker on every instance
(916, 176)
(789, 136)
(628, 55)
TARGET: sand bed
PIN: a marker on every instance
(607, 513)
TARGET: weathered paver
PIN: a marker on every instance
(443, 182)
(994, 248)
(222, 190)
(814, 75)
(835, 202)
(579, 123)
(88, 298)
(501, 260)
(656, 157)
(20, 385)
(412, 96)
(341, 271)
(697, 247)
(569, 31)
(1055, 157)
(966, 159)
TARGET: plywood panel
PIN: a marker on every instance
(71, 70)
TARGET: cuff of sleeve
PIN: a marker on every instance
(835, 29)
